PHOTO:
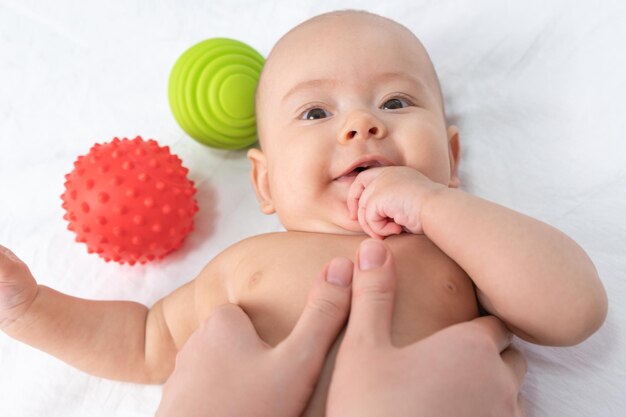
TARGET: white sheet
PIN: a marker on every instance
(537, 89)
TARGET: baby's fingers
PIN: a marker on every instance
(12, 268)
(363, 222)
(354, 194)
(356, 190)
(18, 288)
(375, 221)
(8, 261)
(4, 251)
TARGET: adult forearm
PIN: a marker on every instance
(103, 338)
(535, 278)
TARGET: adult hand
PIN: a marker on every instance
(468, 369)
(225, 369)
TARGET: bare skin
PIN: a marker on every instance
(430, 286)
(225, 360)
(468, 369)
(328, 110)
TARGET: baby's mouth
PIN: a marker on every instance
(354, 172)
(362, 165)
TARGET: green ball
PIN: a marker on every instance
(211, 92)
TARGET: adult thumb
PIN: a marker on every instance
(324, 314)
(373, 294)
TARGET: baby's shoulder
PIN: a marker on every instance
(224, 270)
(256, 251)
(254, 244)
(212, 284)
(227, 261)
(276, 241)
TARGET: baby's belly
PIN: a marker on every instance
(433, 292)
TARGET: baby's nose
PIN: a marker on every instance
(362, 125)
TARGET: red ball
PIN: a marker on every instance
(129, 201)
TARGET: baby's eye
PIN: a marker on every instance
(315, 114)
(395, 103)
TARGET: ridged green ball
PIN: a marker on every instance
(211, 92)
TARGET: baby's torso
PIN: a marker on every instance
(272, 274)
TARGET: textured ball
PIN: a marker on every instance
(211, 92)
(129, 201)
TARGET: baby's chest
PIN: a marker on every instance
(273, 288)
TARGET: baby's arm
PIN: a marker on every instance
(112, 339)
(535, 278)
(532, 276)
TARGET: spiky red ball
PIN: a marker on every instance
(129, 201)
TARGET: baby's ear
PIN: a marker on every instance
(454, 149)
(260, 180)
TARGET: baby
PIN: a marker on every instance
(354, 142)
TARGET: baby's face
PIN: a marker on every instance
(338, 95)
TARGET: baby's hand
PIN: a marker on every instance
(388, 200)
(18, 288)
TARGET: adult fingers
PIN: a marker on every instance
(516, 362)
(491, 329)
(373, 294)
(324, 314)
(521, 409)
(228, 327)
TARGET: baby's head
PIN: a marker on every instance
(339, 91)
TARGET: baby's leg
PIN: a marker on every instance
(18, 288)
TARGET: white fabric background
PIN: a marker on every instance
(536, 87)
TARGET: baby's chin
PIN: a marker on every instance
(347, 228)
